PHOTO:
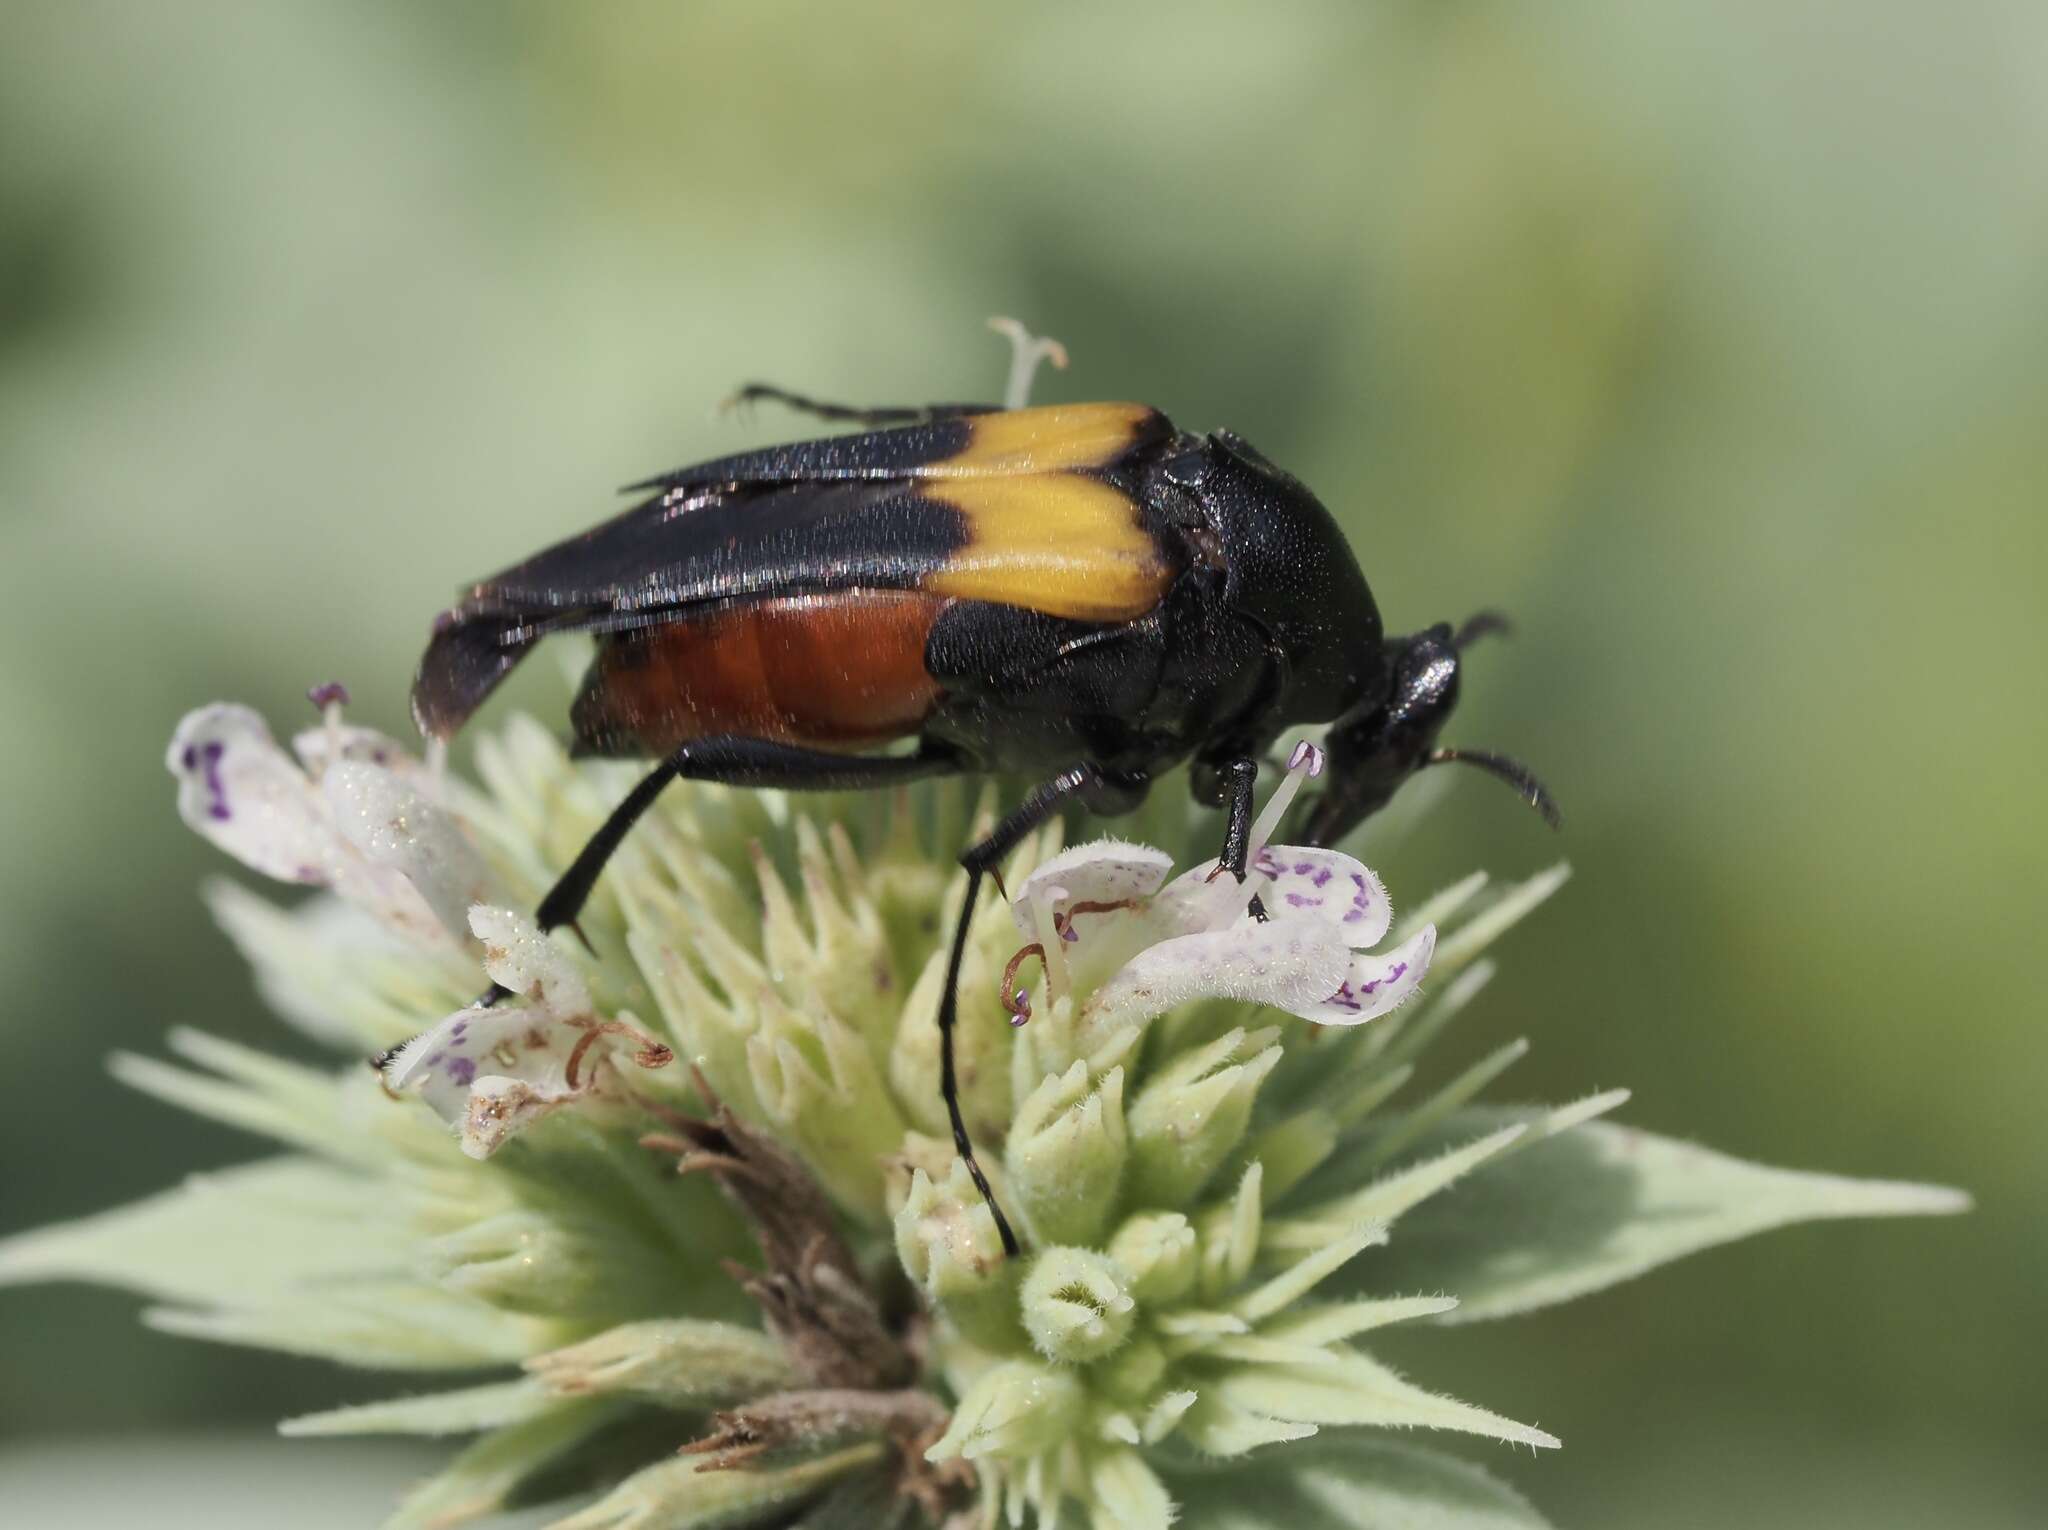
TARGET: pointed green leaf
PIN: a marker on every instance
(1218, 1428)
(1127, 1493)
(1349, 1482)
(1598, 1204)
(433, 1413)
(1291, 1284)
(1394, 1193)
(392, 1325)
(1514, 905)
(288, 1254)
(287, 1221)
(684, 1493)
(1318, 1323)
(1351, 1388)
(484, 1478)
(677, 1362)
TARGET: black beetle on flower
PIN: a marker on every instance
(1080, 592)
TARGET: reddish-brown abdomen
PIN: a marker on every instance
(838, 671)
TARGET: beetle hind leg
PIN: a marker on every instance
(736, 761)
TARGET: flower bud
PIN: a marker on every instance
(947, 1240)
(525, 1261)
(1157, 1250)
(678, 1491)
(1017, 1409)
(981, 1038)
(1134, 1373)
(932, 1155)
(1077, 1304)
(819, 1087)
(1066, 1154)
(712, 1030)
(676, 1363)
(829, 941)
(1185, 1123)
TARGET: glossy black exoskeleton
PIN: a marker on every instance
(1083, 593)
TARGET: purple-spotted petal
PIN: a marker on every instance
(1288, 963)
(1299, 882)
(246, 795)
(1104, 871)
(1376, 983)
(508, 1040)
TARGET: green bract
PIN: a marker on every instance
(1210, 1133)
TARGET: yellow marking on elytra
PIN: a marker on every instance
(1052, 542)
(1054, 439)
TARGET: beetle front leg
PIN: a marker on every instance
(1240, 777)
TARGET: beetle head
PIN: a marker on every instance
(1376, 747)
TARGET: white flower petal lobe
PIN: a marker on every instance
(1376, 984)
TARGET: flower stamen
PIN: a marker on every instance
(649, 1054)
(330, 698)
(1064, 921)
(1051, 944)
(1305, 762)
(1017, 998)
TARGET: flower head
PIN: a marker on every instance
(494, 1068)
(353, 812)
(1222, 1202)
(1295, 934)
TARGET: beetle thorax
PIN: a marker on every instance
(1291, 572)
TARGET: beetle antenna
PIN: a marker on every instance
(1478, 625)
(1516, 774)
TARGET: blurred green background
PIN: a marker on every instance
(1708, 339)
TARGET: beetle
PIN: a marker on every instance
(1081, 592)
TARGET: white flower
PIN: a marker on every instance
(353, 812)
(495, 1069)
(1108, 925)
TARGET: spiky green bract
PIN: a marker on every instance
(1220, 1203)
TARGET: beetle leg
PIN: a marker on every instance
(1478, 625)
(737, 761)
(854, 414)
(980, 860)
(1240, 777)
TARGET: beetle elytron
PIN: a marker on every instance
(1081, 592)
